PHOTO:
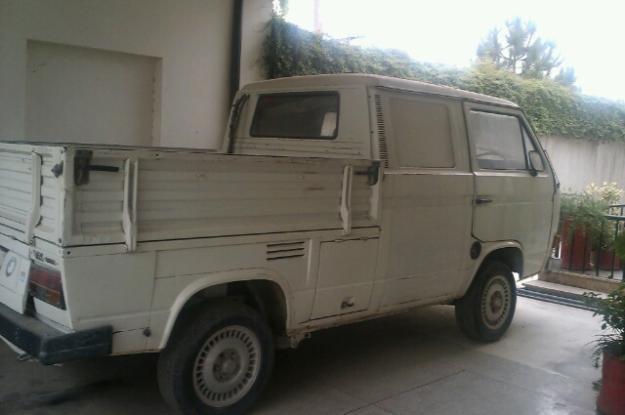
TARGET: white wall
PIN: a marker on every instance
(82, 94)
(256, 14)
(579, 162)
(189, 41)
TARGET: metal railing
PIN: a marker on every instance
(598, 258)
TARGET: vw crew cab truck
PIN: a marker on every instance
(333, 199)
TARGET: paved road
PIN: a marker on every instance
(415, 363)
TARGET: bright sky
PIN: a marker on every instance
(589, 34)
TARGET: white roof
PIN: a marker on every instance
(316, 81)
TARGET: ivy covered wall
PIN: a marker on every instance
(552, 108)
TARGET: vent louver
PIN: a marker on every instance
(381, 131)
(285, 250)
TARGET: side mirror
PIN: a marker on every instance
(536, 162)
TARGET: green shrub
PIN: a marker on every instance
(587, 211)
(612, 312)
(553, 109)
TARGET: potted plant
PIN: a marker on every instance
(582, 219)
(583, 222)
(610, 194)
(611, 345)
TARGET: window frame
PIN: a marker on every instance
(525, 130)
(396, 143)
(380, 111)
(298, 94)
(522, 127)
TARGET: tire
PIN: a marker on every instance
(218, 363)
(486, 311)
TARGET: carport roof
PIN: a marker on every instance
(330, 81)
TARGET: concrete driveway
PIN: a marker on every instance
(415, 363)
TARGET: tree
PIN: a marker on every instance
(518, 50)
(566, 77)
(281, 7)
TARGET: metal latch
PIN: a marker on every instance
(82, 167)
(482, 200)
(372, 173)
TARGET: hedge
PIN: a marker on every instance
(553, 109)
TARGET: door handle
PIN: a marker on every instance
(481, 200)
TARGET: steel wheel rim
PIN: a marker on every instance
(227, 366)
(496, 302)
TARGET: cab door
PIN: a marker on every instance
(513, 201)
(427, 198)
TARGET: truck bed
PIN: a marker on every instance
(76, 194)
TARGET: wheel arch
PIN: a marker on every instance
(266, 292)
(508, 252)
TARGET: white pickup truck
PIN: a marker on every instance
(334, 199)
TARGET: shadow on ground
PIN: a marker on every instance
(406, 364)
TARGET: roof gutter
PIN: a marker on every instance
(235, 48)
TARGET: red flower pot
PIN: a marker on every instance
(605, 260)
(611, 400)
(575, 254)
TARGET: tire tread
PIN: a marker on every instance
(172, 361)
(468, 308)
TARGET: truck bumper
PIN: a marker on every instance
(49, 345)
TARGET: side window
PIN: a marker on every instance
(422, 133)
(311, 115)
(498, 141)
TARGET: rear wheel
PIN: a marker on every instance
(487, 309)
(219, 363)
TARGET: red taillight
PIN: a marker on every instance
(46, 284)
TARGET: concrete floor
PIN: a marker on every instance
(415, 363)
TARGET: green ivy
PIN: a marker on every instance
(552, 108)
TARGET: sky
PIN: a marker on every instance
(589, 34)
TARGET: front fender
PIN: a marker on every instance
(487, 249)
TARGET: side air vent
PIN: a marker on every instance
(381, 131)
(285, 250)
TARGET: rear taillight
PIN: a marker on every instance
(46, 285)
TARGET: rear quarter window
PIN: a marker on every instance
(311, 115)
(422, 133)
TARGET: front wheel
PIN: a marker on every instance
(486, 310)
(219, 363)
